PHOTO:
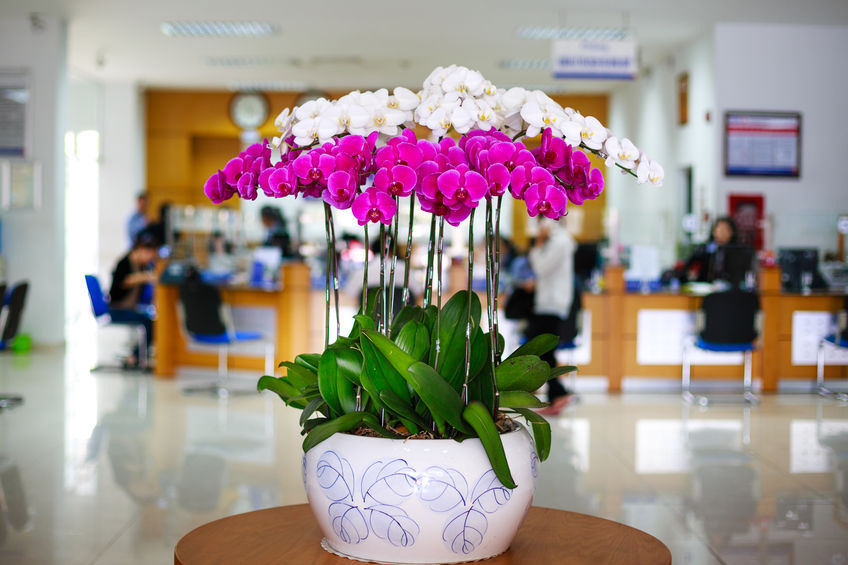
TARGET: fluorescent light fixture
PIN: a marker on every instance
(548, 33)
(218, 29)
(525, 64)
(247, 61)
(269, 86)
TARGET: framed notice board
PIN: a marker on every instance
(762, 144)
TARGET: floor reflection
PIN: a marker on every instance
(113, 468)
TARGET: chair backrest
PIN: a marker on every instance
(2, 294)
(95, 293)
(15, 306)
(201, 304)
(730, 316)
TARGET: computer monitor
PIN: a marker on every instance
(732, 263)
(794, 263)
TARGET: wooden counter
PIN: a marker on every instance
(615, 335)
(292, 323)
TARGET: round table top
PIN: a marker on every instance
(545, 536)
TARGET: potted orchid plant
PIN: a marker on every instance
(434, 371)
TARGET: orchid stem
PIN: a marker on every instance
(383, 314)
(468, 307)
(439, 253)
(394, 263)
(428, 293)
(335, 270)
(496, 277)
(327, 281)
(365, 273)
(408, 250)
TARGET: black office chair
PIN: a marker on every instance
(10, 319)
(838, 340)
(206, 324)
(730, 324)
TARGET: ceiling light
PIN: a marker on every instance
(548, 33)
(525, 64)
(218, 29)
(269, 86)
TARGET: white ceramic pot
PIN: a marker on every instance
(417, 501)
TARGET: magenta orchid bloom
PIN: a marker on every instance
(498, 177)
(399, 180)
(314, 167)
(279, 181)
(247, 186)
(373, 205)
(548, 200)
(462, 187)
(217, 189)
(553, 153)
(399, 154)
(340, 191)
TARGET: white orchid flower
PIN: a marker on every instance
(320, 129)
(513, 100)
(438, 76)
(381, 119)
(570, 131)
(349, 115)
(311, 109)
(593, 133)
(649, 170)
(482, 115)
(621, 152)
(428, 105)
(539, 117)
(464, 81)
(403, 99)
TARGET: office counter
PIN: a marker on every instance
(639, 335)
(287, 306)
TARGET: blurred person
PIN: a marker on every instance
(132, 279)
(276, 230)
(552, 261)
(138, 220)
(698, 266)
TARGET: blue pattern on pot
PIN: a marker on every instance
(375, 508)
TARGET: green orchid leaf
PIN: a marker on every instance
(307, 360)
(404, 411)
(337, 390)
(370, 420)
(541, 431)
(361, 321)
(451, 363)
(298, 375)
(314, 405)
(349, 362)
(526, 372)
(482, 389)
(380, 368)
(324, 430)
(562, 370)
(290, 394)
(519, 399)
(479, 353)
(311, 423)
(407, 314)
(414, 339)
(537, 346)
(481, 420)
(443, 401)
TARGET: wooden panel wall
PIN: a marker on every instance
(189, 136)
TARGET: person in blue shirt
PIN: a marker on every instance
(138, 220)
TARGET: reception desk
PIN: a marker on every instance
(287, 305)
(629, 331)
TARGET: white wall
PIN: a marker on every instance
(799, 69)
(644, 112)
(33, 240)
(122, 158)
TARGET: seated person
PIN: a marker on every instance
(131, 281)
(718, 257)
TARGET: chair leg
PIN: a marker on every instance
(142, 347)
(685, 381)
(821, 389)
(223, 358)
(748, 381)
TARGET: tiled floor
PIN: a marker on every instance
(115, 467)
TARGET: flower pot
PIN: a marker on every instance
(418, 500)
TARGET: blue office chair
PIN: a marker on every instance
(11, 312)
(206, 323)
(838, 340)
(101, 313)
(730, 320)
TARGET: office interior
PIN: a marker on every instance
(115, 466)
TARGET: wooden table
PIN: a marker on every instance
(290, 534)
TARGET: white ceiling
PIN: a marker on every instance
(331, 44)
